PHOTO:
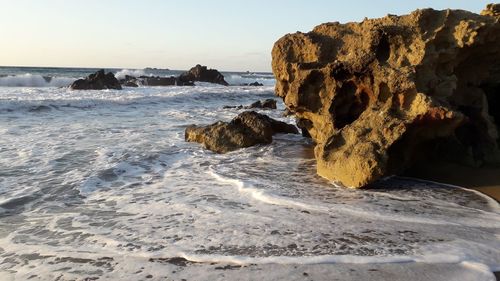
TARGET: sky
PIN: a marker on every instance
(230, 35)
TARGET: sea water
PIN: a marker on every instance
(100, 185)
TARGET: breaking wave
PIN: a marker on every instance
(241, 79)
(34, 80)
(131, 72)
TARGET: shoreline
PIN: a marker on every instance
(485, 179)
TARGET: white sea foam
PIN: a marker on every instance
(131, 72)
(102, 184)
(260, 195)
(240, 79)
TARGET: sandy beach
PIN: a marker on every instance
(484, 179)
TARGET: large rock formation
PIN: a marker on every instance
(247, 129)
(97, 81)
(202, 74)
(379, 95)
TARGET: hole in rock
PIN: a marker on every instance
(492, 92)
(348, 105)
(384, 92)
(339, 72)
(309, 91)
(383, 51)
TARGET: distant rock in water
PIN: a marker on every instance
(202, 74)
(266, 104)
(255, 84)
(153, 81)
(130, 84)
(247, 129)
(233, 106)
(197, 73)
(158, 81)
(97, 81)
(381, 95)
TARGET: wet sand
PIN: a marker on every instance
(484, 179)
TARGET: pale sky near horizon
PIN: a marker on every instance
(223, 34)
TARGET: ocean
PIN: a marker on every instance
(100, 185)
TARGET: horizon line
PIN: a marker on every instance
(132, 68)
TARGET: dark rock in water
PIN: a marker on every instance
(247, 129)
(266, 104)
(97, 81)
(269, 103)
(202, 74)
(233, 106)
(158, 81)
(129, 81)
(130, 84)
(40, 108)
(128, 78)
(153, 81)
(184, 83)
(381, 95)
(155, 69)
(257, 104)
(255, 84)
(179, 261)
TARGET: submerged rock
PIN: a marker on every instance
(130, 84)
(158, 81)
(153, 81)
(379, 95)
(97, 81)
(254, 84)
(265, 104)
(202, 74)
(233, 106)
(247, 129)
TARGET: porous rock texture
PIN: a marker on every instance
(247, 129)
(381, 95)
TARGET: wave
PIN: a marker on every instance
(237, 79)
(34, 80)
(131, 72)
(246, 188)
(46, 99)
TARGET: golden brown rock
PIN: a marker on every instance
(247, 129)
(378, 94)
(492, 10)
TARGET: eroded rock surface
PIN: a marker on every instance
(247, 129)
(380, 95)
(97, 81)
